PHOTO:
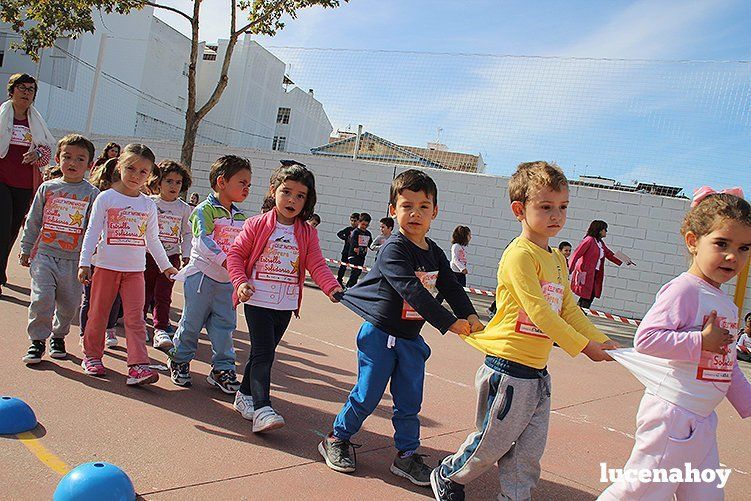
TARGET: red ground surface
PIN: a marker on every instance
(190, 443)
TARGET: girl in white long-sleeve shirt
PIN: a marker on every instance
(123, 224)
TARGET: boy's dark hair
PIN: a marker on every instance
(355, 215)
(21, 78)
(413, 180)
(564, 244)
(748, 315)
(163, 169)
(595, 227)
(388, 222)
(76, 140)
(364, 216)
(316, 218)
(226, 167)
(295, 172)
(461, 235)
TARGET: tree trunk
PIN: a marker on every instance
(189, 138)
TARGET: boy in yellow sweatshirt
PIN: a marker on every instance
(535, 308)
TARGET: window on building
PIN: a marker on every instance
(282, 116)
(279, 143)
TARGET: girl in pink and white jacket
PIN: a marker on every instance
(684, 355)
(267, 264)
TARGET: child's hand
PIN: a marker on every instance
(334, 293)
(170, 272)
(714, 338)
(24, 260)
(597, 351)
(84, 275)
(474, 323)
(610, 345)
(460, 327)
(244, 291)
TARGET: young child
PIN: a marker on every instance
(344, 234)
(168, 180)
(535, 308)
(102, 177)
(386, 225)
(267, 264)
(565, 248)
(459, 241)
(314, 220)
(127, 223)
(395, 299)
(208, 291)
(743, 346)
(683, 354)
(54, 228)
(359, 241)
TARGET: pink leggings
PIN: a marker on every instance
(669, 436)
(105, 284)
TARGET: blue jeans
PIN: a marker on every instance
(207, 303)
(404, 365)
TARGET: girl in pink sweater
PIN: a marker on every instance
(684, 355)
(267, 264)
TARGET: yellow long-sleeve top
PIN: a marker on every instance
(535, 307)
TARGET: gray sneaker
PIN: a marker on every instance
(412, 468)
(336, 452)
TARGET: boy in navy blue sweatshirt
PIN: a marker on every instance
(395, 299)
(359, 242)
(344, 234)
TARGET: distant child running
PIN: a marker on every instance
(535, 308)
(55, 228)
(395, 299)
(344, 234)
(460, 239)
(267, 265)
(359, 242)
(168, 180)
(386, 227)
(123, 225)
(208, 291)
(684, 355)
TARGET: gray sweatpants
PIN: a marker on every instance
(512, 428)
(55, 291)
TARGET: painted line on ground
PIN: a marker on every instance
(31, 442)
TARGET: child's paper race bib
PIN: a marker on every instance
(279, 262)
(718, 367)
(126, 227)
(64, 215)
(428, 279)
(553, 294)
(224, 235)
(169, 228)
(20, 136)
(363, 240)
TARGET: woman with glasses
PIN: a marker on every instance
(25, 147)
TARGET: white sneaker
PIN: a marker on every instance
(111, 338)
(266, 419)
(244, 405)
(162, 341)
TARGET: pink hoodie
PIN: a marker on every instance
(251, 241)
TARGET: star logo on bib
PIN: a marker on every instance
(142, 229)
(76, 218)
(175, 229)
(296, 265)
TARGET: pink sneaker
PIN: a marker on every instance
(93, 366)
(141, 374)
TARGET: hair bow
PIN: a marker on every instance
(703, 192)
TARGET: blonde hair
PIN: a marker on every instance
(714, 210)
(532, 176)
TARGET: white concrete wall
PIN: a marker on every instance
(646, 227)
(308, 127)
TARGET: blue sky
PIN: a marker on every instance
(678, 123)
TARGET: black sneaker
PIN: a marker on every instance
(444, 489)
(412, 468)
(57, 348)
(34, 353)
(179, 373)
(337, 455)
(224, 380)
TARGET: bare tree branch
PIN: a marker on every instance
(171, 9)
